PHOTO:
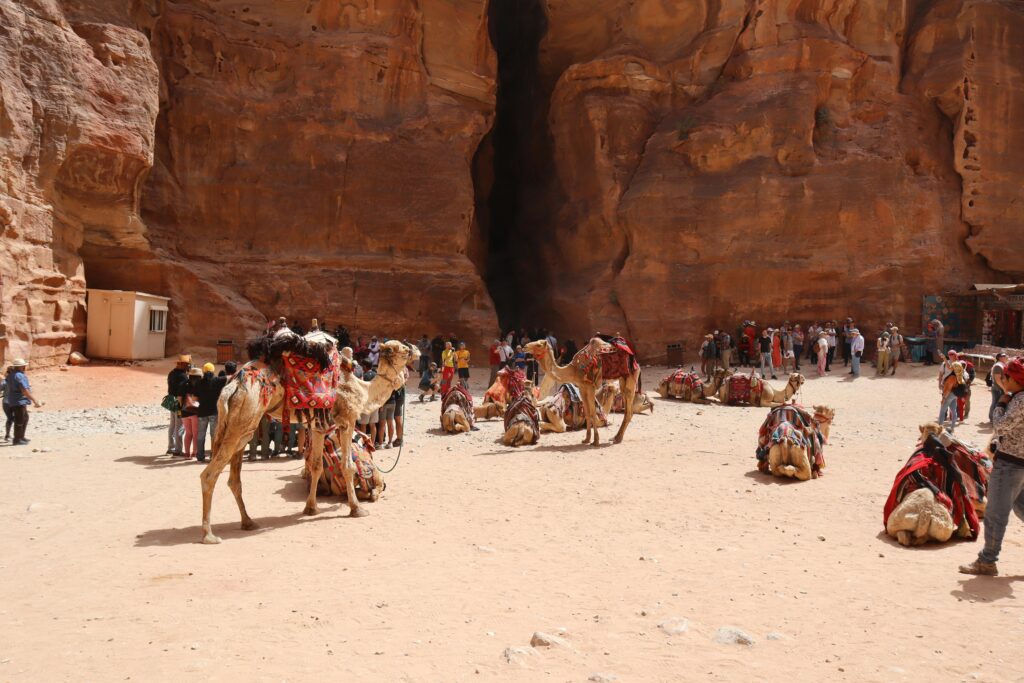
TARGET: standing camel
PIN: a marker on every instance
(586, 372)
(257, 389)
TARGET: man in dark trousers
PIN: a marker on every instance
(177, 385)
(18, 397)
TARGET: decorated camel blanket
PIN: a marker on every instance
(457, 395)
(362, 456)
(791, 424)
(605, 358)
(957, 476)
(309, 370)
(569, 402)
(745, 389)
(683, 382)
(521, 407)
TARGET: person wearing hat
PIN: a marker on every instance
(177, 383)
(895, 348)
(856, 351)
(848, 335)
(17, 398)
(995, 381)
(707, 355)
(1006, 483)
(821, 352)
(882, 350)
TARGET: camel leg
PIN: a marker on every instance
(208, 478)
(348, 471)
(230, 439)
(589, 418)
(235, 484)
(315, 463)
(628, 387)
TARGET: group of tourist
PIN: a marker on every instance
(777, 350)
(192, 394)
(17, 397)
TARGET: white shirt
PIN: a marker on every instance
(857, 344)
(504, 352)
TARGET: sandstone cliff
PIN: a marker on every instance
(676, 164)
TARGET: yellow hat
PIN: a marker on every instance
(209, 367)
(184, 358)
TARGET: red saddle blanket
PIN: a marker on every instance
(307, 385)
(605, 358)
(744, 389)
(362, 456)
(682, 381)
(457, 395)
(793, 424)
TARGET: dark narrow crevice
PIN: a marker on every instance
(513, 271)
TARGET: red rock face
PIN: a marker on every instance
(681, 165)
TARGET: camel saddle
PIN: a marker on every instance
(744, 389)
(605, 358)
(936, 467)
(457, 395)
(309, 368)
(569, 403)
(682, 382)
(362, 456)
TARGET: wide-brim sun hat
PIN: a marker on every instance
(19, 363)
(184, 358)
(195, 372)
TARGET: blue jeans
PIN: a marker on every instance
(205, 422)
(997, 393)
(175, 433)
(1005, 492)
(855, 362)
(948, 407)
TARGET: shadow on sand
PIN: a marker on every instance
(986, 588)
(231, 530)
(767, 479)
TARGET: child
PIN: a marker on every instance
(429, 383)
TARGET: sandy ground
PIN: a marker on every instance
(475, 546)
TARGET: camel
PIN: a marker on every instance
(795, 445)
(457, 412)
(257, 389)
(564, 411)
(586, 371)
(522, 421)
(489, 411)
(734, 390)
(940, 492)
(610, 399)
(688, 386)
(369, 478)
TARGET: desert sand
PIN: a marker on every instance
(635, 556)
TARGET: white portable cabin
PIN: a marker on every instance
(126, 325)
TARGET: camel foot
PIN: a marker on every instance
(617, 439)
(310, 510)
(249, 525)
(359, 512)
(210, 539)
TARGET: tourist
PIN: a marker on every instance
(373, 351)
(190, 412)
(386, 425)
(707, 355)
(368, 421)
(209, 388)
(929, 345)
(847, 340)
(856, 351)
(507, 353)
(750, 332)
(765, 349)
(17, 398)
(1006, 483)
(462, 360)
(177, 383)
(8, 409)
(995, 382)
(552, 342)
(399, 396)
(882, 354)
(963, 401)
(788, 356)
(830, 332)
(494, 360)
(812, 342)
(776, 351)
(951, 386)
(725, 349)
(895, 348)
(447, 367)
(429, 383)
(230, 368)
(520, 359)
(424, 346)
(940, 336)
(798, 347)
(821, 353)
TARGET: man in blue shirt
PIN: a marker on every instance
(18, 397)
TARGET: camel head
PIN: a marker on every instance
(823, 417)
(397, 354)
(796, 380)
(540, 349)
(929, 429)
